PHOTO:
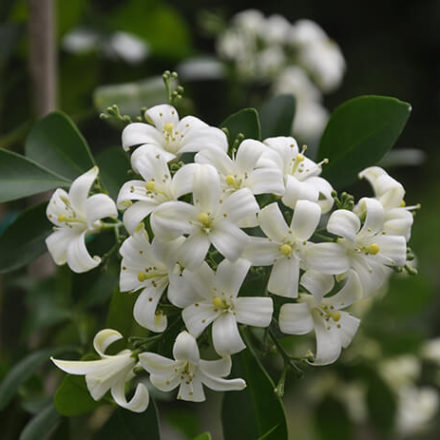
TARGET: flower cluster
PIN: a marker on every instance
(202, 220)
(298, 59)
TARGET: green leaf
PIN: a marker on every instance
(255, 412)
(131, 97)
(40, 426)
(73, 398)
(23, 239)
(276, 116)
(203, 436)
(56, 143)
(113, 167)
(23, 370)
(332, 420)
(358, 135)
(246, 122)
(21, 177)
(128, 425)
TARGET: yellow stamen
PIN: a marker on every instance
(336, 316)
(372, 249)
(286, 249)
(168, 127)
(158, 316)
(218, 302)
(142, 276)
(402, 204)
(62, 218)
(150, 185)
(204, 219)
(298, 159)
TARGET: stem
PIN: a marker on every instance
(286, 357)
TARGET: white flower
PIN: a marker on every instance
(149, 267)
(367, 248)
(249, 21)
(188, 371)
(217, 303)
(300, 174)
(75, 215)
(390, 193)
(275, 30)
(213, 219)
(431, 350)
(334, 329)
(109, 373)
(244, 170)
(157, 187)
(172, 135)
(285, 245)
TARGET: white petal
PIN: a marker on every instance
(349, 326)
(225, 335)
(221, 367)
(283, 279)
(172, 219)
(139, 133)
(150, 162)
(398, 221)
(136, 213)
(78, 258)
(375, 217)
(144, 311)
(198, 316)
(317, 283)
(183, 179)
(132, 190)
(193, 251)
(185, 348)
(156, 364)
(104, 339)
(298, 190)
(255, 311)
(218, 384)
(266, 180)
(180, 292)
(192, 391)
(325, 199)
(57, 206)
(261, 251)
(344, 223)
(248, 153)
(166, 383)
(295, 319)
(99, 206)
(392, 249)
(329, 258)
(206, 191)
(78, 367)
(201, 280)
(138, 403)
(161, 114)
(272, 223)
(200, 138)
(217, 158)
(350, 292)
(80, 188)
(328, 343)
(240, 204)
(305, 219)
(58, 242)
(230, 276)
(371, 273)
(229, 239)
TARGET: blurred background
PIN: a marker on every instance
(386, 384)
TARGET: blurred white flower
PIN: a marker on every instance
(127, 47)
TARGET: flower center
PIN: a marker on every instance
(151, 187)
(286, 249)
(298, 159)
(219, 303)
(65, 219)
(204, 219)
(233, 181)
(371, 249)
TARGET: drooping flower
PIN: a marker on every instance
(244, 170)
(390, 193)
(188, 372)
(149, 267)
(171, 135)
(334, 328)
(367, 248)
(301, 175)
(215, 300)
(111, 372)
(212, 219)
(76, 215)
(285, 245)
(157, 187)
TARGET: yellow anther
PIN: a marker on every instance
(142, 276)
(402, 204)
(298, 159)
(230, 180)
(218, 302)
(168, 127)
(286, 249)
(62, 218)
(204, 219)
(372, 249)
(158, 316)
(150, 185)
(336, 316)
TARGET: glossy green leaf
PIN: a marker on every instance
(113, 165)
(41, 425)
(22, 177)
(203, 436)
(128, 425)
(256, 412)
(72, 397)
(276, 116)
(131, 97)
(358, 135)
(23, 370)
(332, 420)
(24, 239)
(246, 122)
(56, 143)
